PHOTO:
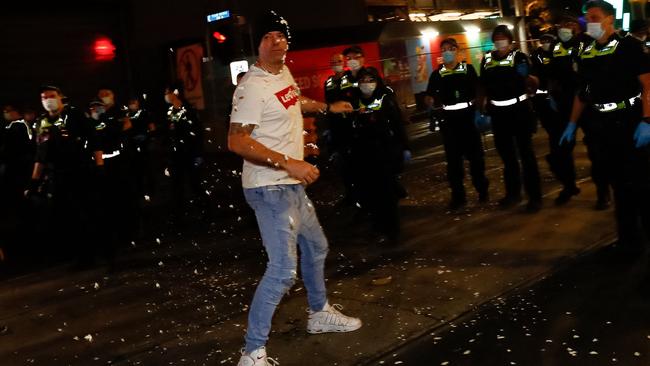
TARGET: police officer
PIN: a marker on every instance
(140, 134)
(63, 160)
(505, 77)
(615, 84)
(346, 90)
(560, 158)
(563, 84)
(334, 126)
(453, 86)
(112, 189)
(17, 149)
(185, 145)
(379, 149)
(639, 32)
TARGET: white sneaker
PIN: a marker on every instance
(256, 358)
(330, 319)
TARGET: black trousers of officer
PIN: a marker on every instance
(183, 168)
(560, 157)
(69, 217)
(513, 127)
(596, 137)
(462, 139)
(116, 206)
(341, 135)
(139, 154)
(377, 164)
(628, 168)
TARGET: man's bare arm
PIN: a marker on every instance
(241, 143)
(308, 105)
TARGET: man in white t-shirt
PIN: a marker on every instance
(266, 129)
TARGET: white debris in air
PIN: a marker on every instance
(89, 338)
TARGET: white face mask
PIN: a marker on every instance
(107, 100)
(565, 34)
(546, 46)
(367, 88)
(50, 104)
(337, 68)
(595, 30)
(502, 45)
(354, 65)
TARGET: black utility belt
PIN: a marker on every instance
(616, 106)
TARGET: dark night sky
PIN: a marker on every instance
(45, 44)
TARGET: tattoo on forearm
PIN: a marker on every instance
(241, 129)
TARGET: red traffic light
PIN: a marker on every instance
(219, 37)
(104, 49)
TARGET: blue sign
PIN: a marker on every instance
(218, 16)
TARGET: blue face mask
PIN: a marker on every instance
(449, 56)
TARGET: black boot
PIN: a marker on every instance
(566, 194)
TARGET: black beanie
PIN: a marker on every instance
(270, 21)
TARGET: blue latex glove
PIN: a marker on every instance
(642, 134)
(522, 69)
(407, 156)
(483, 122)
(569, 134)
(552, 103)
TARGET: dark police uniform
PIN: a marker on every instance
(564, 84)
(513, 123)
(340, 125)
(560, 157)
(611, 88)
(139, 150)
(455, 89)
(185, 148)
(378, 142)
(17, 149)
(115, 199)
(63, 148)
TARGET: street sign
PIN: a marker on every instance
(219, 16)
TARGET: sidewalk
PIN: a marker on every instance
(185, 303)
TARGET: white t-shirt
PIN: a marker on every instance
(271, 103)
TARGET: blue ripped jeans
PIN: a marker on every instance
(287, 220)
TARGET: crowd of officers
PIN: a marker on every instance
(370, 145)
(599, 82)
(92, 167)
(78, 176)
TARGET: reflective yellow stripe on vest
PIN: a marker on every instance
(346, 83)
(509, 61)
(591, 51)
(374, 106)
(460, 69)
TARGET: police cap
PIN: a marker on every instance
(449, 42)
(353, 49)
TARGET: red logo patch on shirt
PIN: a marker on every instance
(288, 96)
